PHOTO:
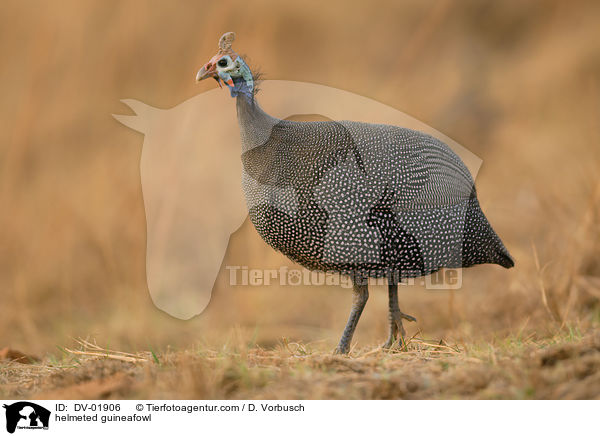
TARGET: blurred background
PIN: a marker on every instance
(517, 83)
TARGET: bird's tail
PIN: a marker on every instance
(504, 257)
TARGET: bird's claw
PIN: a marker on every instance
(397, 329)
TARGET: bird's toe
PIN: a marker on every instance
(389, 343)
(408, 317)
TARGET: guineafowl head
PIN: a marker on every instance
(228, 67)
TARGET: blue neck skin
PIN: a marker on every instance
(241, 88)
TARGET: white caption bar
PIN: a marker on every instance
(298, 417)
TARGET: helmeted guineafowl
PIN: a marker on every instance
(365, 200)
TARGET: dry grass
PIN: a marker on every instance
(563, 367)
(517, 84)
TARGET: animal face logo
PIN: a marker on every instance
(26, 415)
(194, 174)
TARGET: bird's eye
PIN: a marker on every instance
(222, 63)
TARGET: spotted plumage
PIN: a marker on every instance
(366, 200)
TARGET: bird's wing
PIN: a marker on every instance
(421, 171)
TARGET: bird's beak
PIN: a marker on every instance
(208, 70)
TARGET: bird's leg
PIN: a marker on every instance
(359, 299)
(396, 317)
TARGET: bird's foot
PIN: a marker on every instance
(397, 329)
(342, 349)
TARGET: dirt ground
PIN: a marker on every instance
(516, 83)
(562, 368)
